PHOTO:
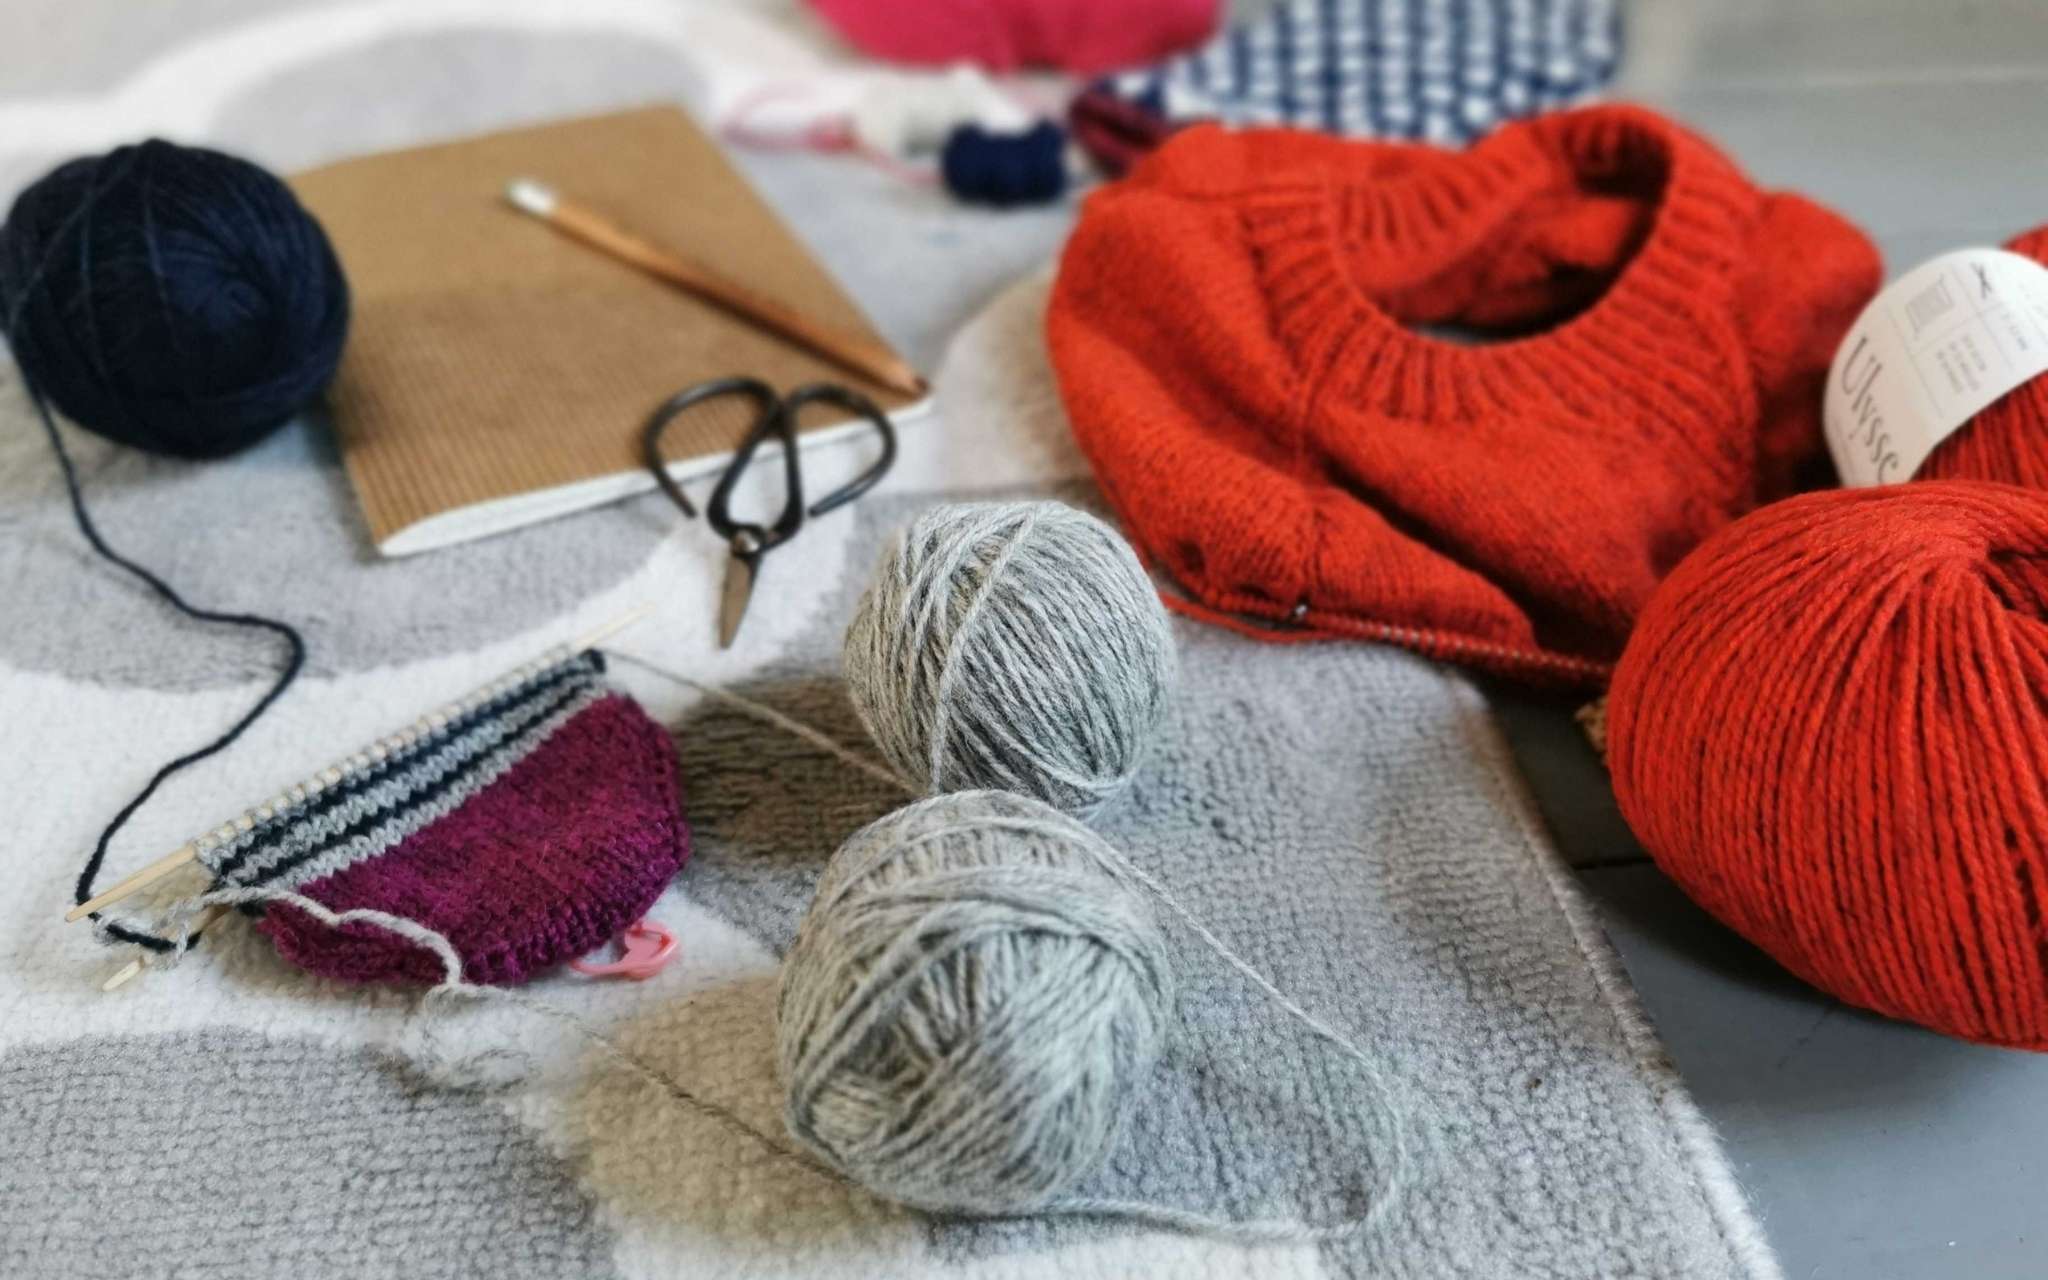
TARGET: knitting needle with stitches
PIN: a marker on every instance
(425, 727)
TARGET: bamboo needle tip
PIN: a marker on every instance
(591, 639)
(122, 976)
(529, 196)
(141, 880)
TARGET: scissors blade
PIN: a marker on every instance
(739, 589)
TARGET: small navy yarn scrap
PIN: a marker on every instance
(983, 166)
(1442, 71)
(368, 803)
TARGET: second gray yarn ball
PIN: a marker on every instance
(1018, 646)
(973, 1000)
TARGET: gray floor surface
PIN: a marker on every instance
(1872, 1150)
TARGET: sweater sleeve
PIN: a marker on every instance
(1177, 389)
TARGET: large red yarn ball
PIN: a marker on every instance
(2008, 439)
(1830, 728)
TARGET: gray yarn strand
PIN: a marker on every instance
(1013, 646)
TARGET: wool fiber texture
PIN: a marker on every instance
(1829, 730)
(975, 998)
(171, 298)
(1016, 646)
(1249, 337)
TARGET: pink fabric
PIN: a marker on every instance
(571, 845)
(1085, 36)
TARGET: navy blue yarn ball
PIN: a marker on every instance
(1006, 169)
(171, 298)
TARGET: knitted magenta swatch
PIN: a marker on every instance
(1248, 336)
(530, 829)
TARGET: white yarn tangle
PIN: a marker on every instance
(910, 114)
(1016, 646)
(899, 116)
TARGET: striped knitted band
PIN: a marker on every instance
(372, 808)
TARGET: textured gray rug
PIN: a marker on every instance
(1345, 817)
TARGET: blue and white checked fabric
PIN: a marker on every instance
(1443, 71)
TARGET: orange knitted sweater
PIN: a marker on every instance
(1242, 335)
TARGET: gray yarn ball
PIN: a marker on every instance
(970, 1007)
(1018, 646)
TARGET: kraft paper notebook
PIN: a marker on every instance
(498, 374)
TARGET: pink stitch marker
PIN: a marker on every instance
(646, 949)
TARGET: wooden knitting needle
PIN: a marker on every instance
(141, 880)
(604, 631)
(171, 861)
(868, 359)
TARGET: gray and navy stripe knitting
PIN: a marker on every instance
(368, 803)
(1443, 71)
(371, 811)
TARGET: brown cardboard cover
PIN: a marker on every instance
(489, 356)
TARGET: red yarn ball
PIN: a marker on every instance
(1831, 729)
(2008, 440)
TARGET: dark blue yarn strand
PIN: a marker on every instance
(1333, 80)
(1240, 60)
(1375, 59)
(1500, 44)
(1446, 28)
(1412, 91)
(1283, 55)
(32, 247)
(295, 660)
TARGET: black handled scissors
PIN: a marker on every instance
(749, 543)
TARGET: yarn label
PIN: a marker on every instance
(1934, 348)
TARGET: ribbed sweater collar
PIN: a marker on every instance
(1338, 245)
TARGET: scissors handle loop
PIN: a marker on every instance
(853, 402)
(750, 539)
(681, 402)
(775, 416)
